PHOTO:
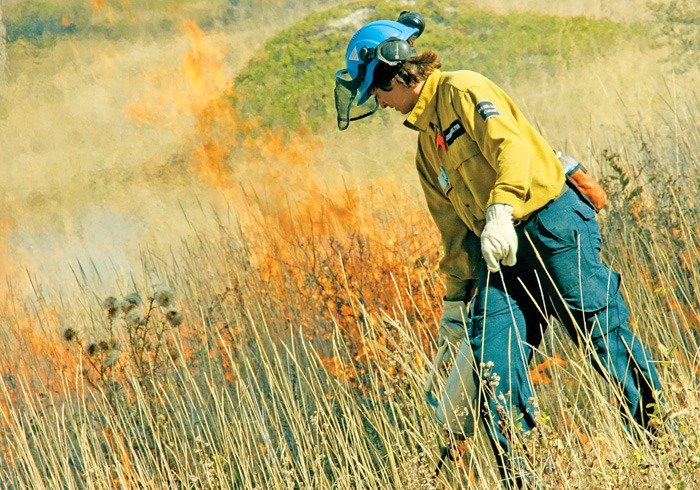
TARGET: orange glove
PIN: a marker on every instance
(579, 178)
(590, 189)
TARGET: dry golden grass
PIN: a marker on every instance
(306, 273)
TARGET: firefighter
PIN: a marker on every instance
(520, 245)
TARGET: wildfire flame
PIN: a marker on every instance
(538, 373)
(226, 150)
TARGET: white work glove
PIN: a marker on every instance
(498, 240)
(451, 329)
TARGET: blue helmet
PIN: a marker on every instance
(362, 51)
(385, 41)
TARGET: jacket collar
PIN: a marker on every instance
(424, 112)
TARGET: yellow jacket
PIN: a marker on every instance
(476, 148)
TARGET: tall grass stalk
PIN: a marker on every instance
(307, 336)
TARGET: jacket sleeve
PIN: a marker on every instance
(488, 118)
(461, 246)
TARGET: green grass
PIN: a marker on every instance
(290, 82)
(44, 22)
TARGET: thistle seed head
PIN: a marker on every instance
(110, 302)
(111, 359)
(164, 297)
(134, 317)
(113, 307)
(130, 302)
(69, 333)
(92, 348)
(173, 316)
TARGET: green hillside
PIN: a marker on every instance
(290, 81)
(44, 22)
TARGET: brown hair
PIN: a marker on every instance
(409, 73)
(416, 69)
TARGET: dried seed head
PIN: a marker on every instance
(164, 297)
(110, 302)
(92, 348)
(173, 316)
(130, 302)
(111, 359)
(113, 307)
(134, 317)
(69, 333)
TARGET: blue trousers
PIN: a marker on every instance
(510, 312)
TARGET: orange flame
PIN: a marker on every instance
(330, 245)
(189, 89)
(199, 88)
(538, 375)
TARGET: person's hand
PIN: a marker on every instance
(451, 329)
(499, 243)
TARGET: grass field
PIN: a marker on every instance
(286, 277)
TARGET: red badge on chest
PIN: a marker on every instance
(440, 141)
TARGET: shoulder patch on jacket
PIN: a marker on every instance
(453, 131)
(487, 109)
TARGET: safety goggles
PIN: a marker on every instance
(391, 52)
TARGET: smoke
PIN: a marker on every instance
(106, 141)
(110, 146)
(98, 142)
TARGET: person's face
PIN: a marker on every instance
(397, 96)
